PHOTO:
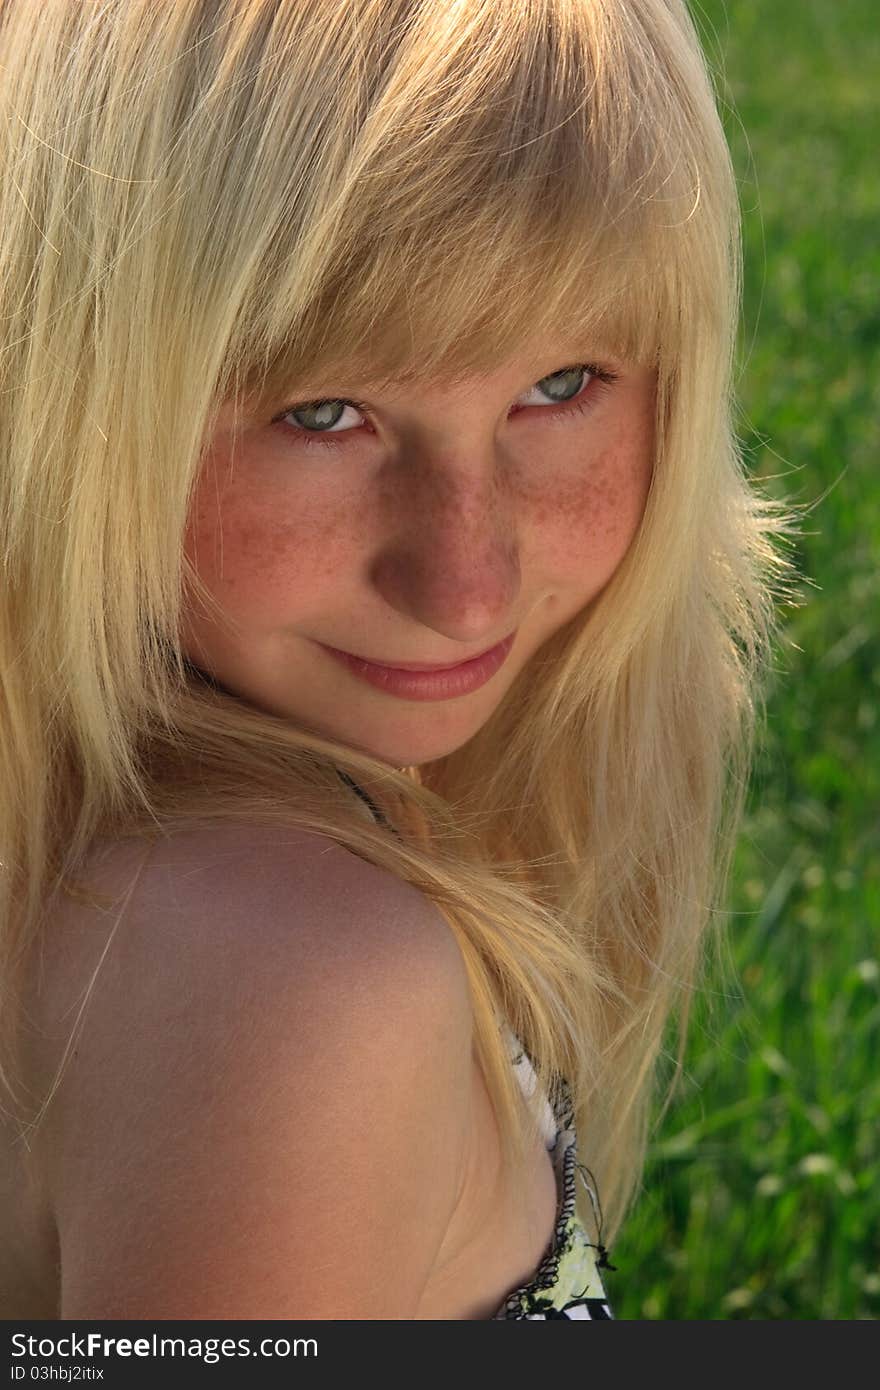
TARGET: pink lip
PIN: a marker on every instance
(421, 665)
(417, 681)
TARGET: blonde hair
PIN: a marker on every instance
(199, 201)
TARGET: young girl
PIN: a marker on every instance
(343, 342)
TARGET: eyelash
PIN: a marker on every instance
(602, 380)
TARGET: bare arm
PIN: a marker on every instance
(268, 1111)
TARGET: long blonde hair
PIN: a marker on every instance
(199, 201)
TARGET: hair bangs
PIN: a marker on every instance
(530, 180)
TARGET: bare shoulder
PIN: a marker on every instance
(267, 1110)
(241, 901)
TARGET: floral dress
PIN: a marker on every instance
(567, 1283)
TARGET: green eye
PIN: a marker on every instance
(314, 421)
(325, 414)
(565, 383)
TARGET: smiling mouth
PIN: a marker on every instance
(444, 683)
(423, 665)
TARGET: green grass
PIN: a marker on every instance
(762, 1194)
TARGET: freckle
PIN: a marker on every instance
(281, 541)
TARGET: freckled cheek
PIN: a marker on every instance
(589, 524)
(257, 563)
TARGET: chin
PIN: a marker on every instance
(417, 753)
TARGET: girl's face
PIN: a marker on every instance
(424, 526)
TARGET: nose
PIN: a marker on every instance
(451, 560)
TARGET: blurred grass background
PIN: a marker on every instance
(762, 1194)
